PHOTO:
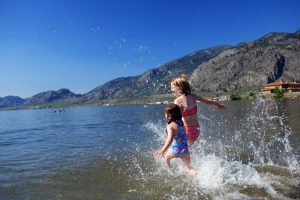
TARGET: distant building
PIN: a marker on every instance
(283, 86)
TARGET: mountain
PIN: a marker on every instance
(154, 81)
(273, 57)
(10, 101)
(52, 96)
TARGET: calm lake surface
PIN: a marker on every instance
(251, 150)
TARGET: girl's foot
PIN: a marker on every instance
(192, 172)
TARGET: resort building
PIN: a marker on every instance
(283, 86)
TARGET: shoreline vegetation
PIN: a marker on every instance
(158, 99)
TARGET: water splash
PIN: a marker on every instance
(271, 145)
(251, 159)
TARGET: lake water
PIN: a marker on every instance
(251, 150)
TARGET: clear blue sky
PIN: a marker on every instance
(79, 45)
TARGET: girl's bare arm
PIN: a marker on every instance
(168, 142)
(208, 101)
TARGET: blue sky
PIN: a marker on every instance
(79, 45)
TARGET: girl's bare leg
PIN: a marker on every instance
(187, 165)
(168, 158)
(190, 143)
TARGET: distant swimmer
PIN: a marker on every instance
(59, 111)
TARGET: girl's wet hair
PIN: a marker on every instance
(173, 110)
(183, 84)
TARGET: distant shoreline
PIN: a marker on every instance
(154, 99)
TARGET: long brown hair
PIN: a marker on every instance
(173, 110)
(183, 84)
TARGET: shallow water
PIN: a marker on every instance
(251, 150)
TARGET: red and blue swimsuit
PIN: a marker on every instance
(179, 144)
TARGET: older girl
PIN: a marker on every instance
(186, 101)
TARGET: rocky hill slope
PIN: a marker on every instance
(274, 57)
(52, 96)
(10, 101)
(155, 81)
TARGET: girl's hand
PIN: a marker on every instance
(159, 154)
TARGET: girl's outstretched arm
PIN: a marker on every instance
(208, 101)
(168, 142)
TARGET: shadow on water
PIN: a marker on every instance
(248, 151)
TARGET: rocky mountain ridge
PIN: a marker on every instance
(273, 57)
(154, 81)
(40, 98)
(51, 97)
(10, 101)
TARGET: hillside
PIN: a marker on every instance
(10, 101)
(52, 96)
(154, 81)
(275, 56)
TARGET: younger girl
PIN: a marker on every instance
(186, 101)
(176, 139)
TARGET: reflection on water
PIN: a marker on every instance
(248, 151)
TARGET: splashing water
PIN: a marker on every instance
(250, 157)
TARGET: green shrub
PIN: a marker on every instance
(234, 96)
(251, 94)
(277, 93)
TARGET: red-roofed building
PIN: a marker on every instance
(283, 86)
